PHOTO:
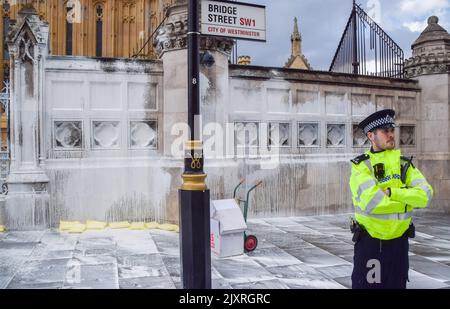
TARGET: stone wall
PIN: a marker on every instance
(317, 115)
(103, 136)
(104, 140)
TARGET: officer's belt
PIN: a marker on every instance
(394, 216)
(360, 231)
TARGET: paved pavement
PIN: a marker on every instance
(294, 252)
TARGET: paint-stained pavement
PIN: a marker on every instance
(293, 253)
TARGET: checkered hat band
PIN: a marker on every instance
(378, 123)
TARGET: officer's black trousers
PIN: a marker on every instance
(380, 264)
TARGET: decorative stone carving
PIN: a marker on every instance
(246, 133)
(336, 135)
(220, 44)
(40, 187)
(105, 134)
(28, 24)
(431, 51)
(26, 48)
(143, 134)
(407, 136)
(359, 138)
(308, 134)
(173, 34)
(279, 134)
(68, 134)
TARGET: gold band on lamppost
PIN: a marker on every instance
(190, 145)
(193, 176)
(193, 182)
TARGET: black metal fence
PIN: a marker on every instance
(365, 49)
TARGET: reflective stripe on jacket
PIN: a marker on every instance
(382, 216)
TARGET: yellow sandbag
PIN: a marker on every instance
(119, 225)
(137, 226)
(152, 225)
(168, 227)
(176, 229)
(95, 225)
(2, 228)
(67, 225)
(77, 228)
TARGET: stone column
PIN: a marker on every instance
(170, 43)
(214, 80)
(430, 66)
(27, 199)
(171, 46)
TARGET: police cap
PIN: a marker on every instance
(378, 120)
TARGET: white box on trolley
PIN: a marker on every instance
(227, 228)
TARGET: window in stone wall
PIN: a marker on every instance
(308, 134)
(143, 134)
(69, 32)
(106, 134)
(68, 135)
(359, 138)
(335, 135)
(279, 134)
(246, 134)
(407, 135)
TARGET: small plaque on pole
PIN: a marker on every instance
(237, 20)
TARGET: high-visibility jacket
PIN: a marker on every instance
(382, 216)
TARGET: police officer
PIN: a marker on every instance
(386, 187)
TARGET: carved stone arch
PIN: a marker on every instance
(24, 27)
(26, 48)
(25, 42)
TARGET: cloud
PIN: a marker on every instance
(413, 14)
(421, 7)
(416, 26)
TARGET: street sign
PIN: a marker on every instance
(237, 20)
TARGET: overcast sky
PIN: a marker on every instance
(322, 22)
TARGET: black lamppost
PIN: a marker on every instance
(195, 251)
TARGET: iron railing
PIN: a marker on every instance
(365, 49)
